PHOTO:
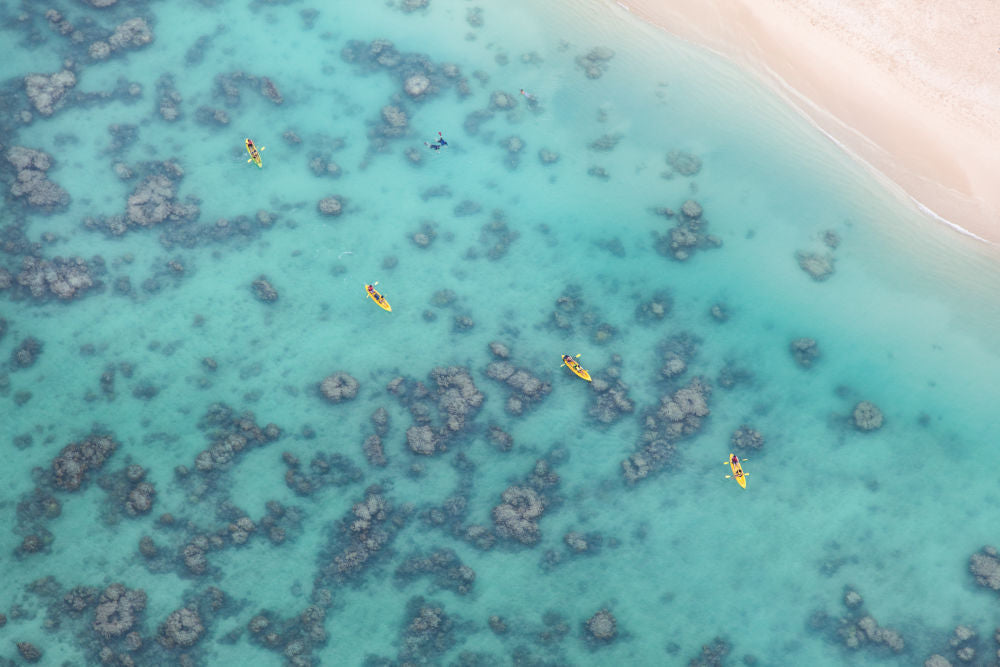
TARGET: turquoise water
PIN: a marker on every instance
(907, 321)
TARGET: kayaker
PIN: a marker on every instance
(437, 144)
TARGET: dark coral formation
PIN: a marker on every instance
(610, 401)
(712, 654)
(153, 202)
(26, 353)
(324, 470)
(361, 536)
(47, 91)
(70, 467)
(805, 351)
(516, 517)
(513, 147)
(182, 629)
(595, 62)
(263, 290)
(168, 98)
(418, 78)
(118, 610)
(858, 628)
(867, 416)
(30, 181)
(133, 33)
(295, 638)
(228, 87)
(682, 163)
(732, 374)
(457, 400)
(583, 543)
(746, 437)
(61, 278)
(602, 627)
(443, 566)
(330, 206)
(129, 493)
(677, 352)
(606, 143)
(656, 307)
(985, 567)
(495, 238)
(429, 633)
(819, 266)
(526, 389)
(678, 416)
(688, 234)
(339, 386)
(322, 164)
(372, 448)
(572, 310)
(231, 434)
(29, 651)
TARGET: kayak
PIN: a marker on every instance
(734, 463)
(254, 153)
(378, 298)
(574, 366)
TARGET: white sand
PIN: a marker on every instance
(911, 87)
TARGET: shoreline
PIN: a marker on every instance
(914, 96)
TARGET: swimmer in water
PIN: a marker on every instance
(437, 144)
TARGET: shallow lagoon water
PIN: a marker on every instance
(686, 556)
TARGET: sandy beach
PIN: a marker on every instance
(909, 87)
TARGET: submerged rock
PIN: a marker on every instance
(339, 387)
(331, 206)
(31, 181)
(867, 416)
(819, 267)
(182, 629)
(602, 626)
(747, 438)
(685, 164)
(47, 91)
(516, 517)
(595, 62)
(118, 610)
(985, 567)
(805, 351)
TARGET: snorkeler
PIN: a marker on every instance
(437, 144)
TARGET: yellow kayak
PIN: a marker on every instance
(734, 463)
(254, 153)
(378, 298)
(575, 366)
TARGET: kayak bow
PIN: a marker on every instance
(734, 463)
(575, 366)
(254, 153)
(378, 298)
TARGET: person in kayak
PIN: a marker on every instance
(437, 144)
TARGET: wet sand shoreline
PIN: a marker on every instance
(911, 90)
